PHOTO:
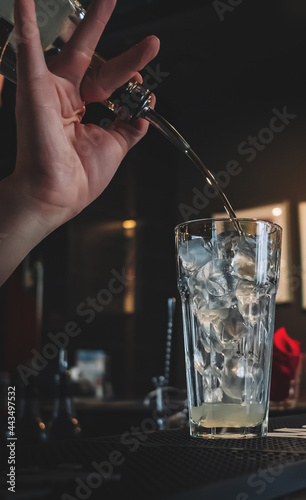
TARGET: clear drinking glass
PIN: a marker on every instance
(228, 283)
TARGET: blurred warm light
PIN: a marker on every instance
(129, 224)
(74, 421)
(42, 425)
(277, 211)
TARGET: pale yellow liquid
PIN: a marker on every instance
(227, 415)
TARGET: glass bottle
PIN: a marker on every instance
(63, 423)
(57, 21)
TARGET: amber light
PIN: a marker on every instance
(129, 224)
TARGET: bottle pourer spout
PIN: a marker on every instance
(129, 102)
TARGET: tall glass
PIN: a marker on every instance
(228, 283)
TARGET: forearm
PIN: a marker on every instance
(21, 226)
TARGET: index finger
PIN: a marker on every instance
(30, 57)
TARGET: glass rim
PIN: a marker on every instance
(227, 219)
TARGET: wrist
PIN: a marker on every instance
(38, 217)
(24, 223)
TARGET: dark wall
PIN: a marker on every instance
(221, 81)
(226, 79)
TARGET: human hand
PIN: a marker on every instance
(63, 164)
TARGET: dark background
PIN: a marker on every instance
(225, 77)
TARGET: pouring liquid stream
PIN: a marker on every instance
(139, 99)
(173, 135)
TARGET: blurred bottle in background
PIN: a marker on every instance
(63, 423)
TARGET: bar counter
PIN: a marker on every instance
(166, 464)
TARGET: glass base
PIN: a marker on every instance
(198, 431)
